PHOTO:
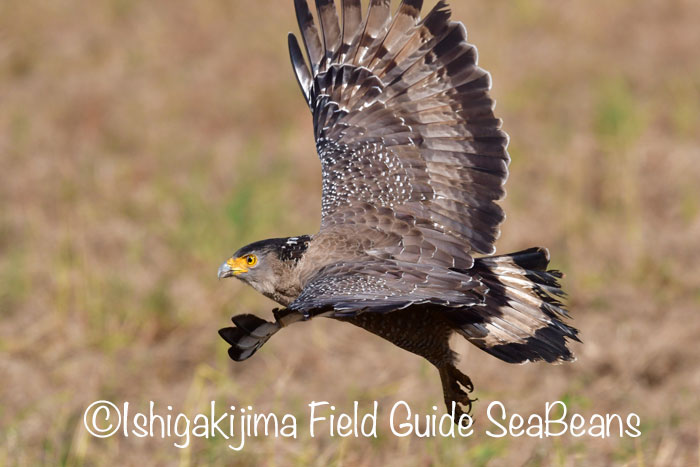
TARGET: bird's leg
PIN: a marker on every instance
(455, 386)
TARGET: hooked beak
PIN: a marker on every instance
(232, 267)
(225, 271)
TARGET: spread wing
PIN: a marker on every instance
(404, 128)
(382, 285)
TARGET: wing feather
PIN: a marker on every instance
(309, 33)
(352, 19)
(409, 145)
(376, 23)
(330, 28)
(348, 288)
(301, 71)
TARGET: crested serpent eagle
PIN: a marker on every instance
(413, 162)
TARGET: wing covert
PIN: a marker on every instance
(348, 288)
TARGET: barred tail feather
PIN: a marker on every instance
(521, 319)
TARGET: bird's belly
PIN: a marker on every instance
(420, 329)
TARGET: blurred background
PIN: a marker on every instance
(141, 143)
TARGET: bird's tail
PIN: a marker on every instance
(521, 319)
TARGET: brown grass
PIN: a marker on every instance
(143, 142)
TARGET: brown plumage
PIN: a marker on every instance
(413, 162)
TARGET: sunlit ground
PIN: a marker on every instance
(141, 143)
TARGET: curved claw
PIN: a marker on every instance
(455, 386)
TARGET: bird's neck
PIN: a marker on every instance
(288, 285)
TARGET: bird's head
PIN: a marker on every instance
(253, 264)
(264, 264)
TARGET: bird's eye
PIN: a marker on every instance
(251, 260)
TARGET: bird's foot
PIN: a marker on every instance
(456, 386)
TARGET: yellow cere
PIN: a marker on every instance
(238, 265)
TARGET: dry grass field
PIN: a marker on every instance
(141, 143)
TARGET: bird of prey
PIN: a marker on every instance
(413, 162)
